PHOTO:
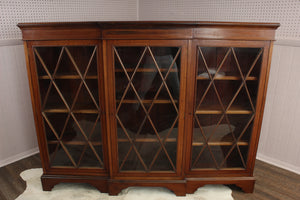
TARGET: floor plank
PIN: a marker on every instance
(11, 184)
(272, 183)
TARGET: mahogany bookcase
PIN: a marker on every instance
(164, 104)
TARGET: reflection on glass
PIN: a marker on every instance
(147, 93)
(228, 62)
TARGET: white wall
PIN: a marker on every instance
(17, 131)
(13, 12)
(280, 135)
(286, 12)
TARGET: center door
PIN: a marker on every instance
(146, 83)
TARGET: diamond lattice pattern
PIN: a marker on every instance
(70, 107)
(227, 83)
(147, 93)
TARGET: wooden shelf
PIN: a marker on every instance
(227, 78)
(75, 142)
(74, 111)
(145, 70)
(147, 140)
(159, 101)
(211, 109)
(68, 77)
(221, 143)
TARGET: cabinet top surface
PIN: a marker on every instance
(148, 30)
(147, 24)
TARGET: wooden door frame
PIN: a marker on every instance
(191, 74)
(37, 111)
(110, 93)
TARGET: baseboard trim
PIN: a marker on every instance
(278, 163)
(19, 156)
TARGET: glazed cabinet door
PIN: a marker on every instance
(148, 81)
(65, 77)
(227, 87)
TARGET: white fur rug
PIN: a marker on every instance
(70, 191)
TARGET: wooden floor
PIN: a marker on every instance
(272, 182)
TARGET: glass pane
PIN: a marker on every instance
(58, 156)
(147, 110)
(227, 83)
(246, 57)
(228, 61)
(68, 86)
(215, 61)
(81, 56)
(46, 59)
